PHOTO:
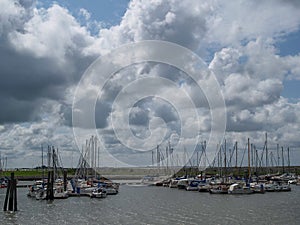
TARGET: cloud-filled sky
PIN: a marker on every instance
(252, 48)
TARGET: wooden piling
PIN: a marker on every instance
(6, 196)
(48, 186)
(50, 192)
(65, 180)
(10, 202)
(11, 193)
(52, 186)
(15, 195)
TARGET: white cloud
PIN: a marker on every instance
(52, 33)
(237, 22)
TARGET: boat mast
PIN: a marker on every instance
(282, 160)
(167, 156)
(1, 169)
(289, 165)
(43, 163)
(256, 159)
(278, 157)
(225, 168)
(236, 154)
(266, 143)
(220, 159)
(158, 159)
(95, 157)
(249, 169)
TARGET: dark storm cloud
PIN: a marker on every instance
(29, 77)
(295, 3)
(27, 81)
(13, 110)
(139, 116)
(166, 112)
(102, 112)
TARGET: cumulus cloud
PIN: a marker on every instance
(42, 55)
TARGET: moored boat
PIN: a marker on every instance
(41, 194)
(271, 187)
(239, 188)
(257, 188)
(219, 189)
(99, 192)
(204, 187)
(182, 184)
(193, 185)
(60, 193)
(173, 183)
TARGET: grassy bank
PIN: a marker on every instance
(38, 173)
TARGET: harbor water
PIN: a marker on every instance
(158, 205)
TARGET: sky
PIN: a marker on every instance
(250, 48)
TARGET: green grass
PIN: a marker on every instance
(29, 173)
(142, 171)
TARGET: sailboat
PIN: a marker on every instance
(243, 188)
(240, 188)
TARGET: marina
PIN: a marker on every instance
(218, 194)
(159, 205)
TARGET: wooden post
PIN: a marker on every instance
(15, 195)
(236, 154)
(48, 186)
(11, 194)
(278, 158)
(65, 180)
(225, 164)
(52, 186)
(289, 163)
(6, 196)
(282, 160)
(249, 169)
(267, 162)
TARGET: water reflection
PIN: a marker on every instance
(10, 217)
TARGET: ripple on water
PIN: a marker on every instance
(158, 205)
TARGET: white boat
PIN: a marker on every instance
(182, 184)
(193, 185)
(111, 191)
(153, 180)
(293, 181)
(173, 183)
(270, 187)
(86, 191)
(41, 194)
(204, 187)
(277, 187)
(59, 192)
(285, 187)
(282, 187)
(258, 188)
(99, 193)
(33, 189)
(219, 189)
(111, 188)
(239, 188)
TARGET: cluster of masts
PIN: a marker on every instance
(3, 163)
(257, 160)
(89, 161)
(54, 161)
